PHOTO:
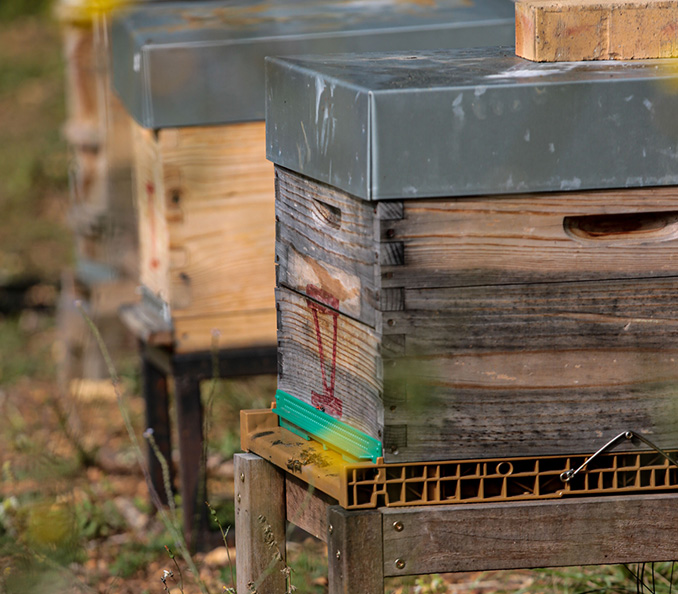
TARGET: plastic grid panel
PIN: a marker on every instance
(514, 479)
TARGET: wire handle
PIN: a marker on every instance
(568, 475)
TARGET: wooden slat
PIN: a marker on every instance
(357, 379)
(220, 206)
(325, 240)
(558, 31)
(522, 239)
(259, 524)
(153, 231)
(307, 507)
(235, 330)
(355, 552)
(479, 537)
(637, 314)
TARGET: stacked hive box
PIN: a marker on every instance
(476, 261)
(101, 210)
(192, 78)
(477, 254)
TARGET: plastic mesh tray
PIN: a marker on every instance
(366, 485)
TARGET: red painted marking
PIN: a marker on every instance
(327, 401)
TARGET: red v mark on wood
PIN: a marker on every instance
(327, 401)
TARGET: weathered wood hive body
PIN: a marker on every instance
(477, 255)
(192, 77)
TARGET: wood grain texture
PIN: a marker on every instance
(638, 314)
(234, 330)
(354, 552)
(259, 523)
(586, 531)
(208, 245)
(522, 239)
(557, 31)
(153, 230)
(304, 372)
(505, 326)
(325, 240)
(439, 421)
(307, 508)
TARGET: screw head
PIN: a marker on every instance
(330, 529)
(398, 526)
(338, 555)
(400, 563)
(242, 477)
(238, 497)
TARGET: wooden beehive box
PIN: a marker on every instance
(477, 255)
(192, 76)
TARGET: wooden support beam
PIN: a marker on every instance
(307, 507)
(259, 525)
(585, 531)
(563, 31)
(193, 484)
(354, 552)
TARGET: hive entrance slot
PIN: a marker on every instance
(622, 228)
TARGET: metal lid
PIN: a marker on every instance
(469, 122)
(202, 63)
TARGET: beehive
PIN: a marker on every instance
(101, 211)
(477, 254)
(192, 76)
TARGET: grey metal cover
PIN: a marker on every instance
(184, 64)
(470, 122)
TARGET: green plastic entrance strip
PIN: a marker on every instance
(308, 422)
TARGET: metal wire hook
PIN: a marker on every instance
(568, 475)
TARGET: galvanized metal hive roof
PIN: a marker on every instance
(186, 64)
(470, 122)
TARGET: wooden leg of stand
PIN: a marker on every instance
(193, 484)
(260, 520)
(157, 418)
(355, 552)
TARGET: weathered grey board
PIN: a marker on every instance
(352, 375)
(325, 240)
(463, 328)
(307, 507)
(588, 531)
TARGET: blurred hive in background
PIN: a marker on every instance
(101, 209)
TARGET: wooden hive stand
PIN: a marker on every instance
(482, 290)
(205, 192)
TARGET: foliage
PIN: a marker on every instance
(10, 10)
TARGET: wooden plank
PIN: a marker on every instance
(307, 508)
(345, 378)
(354, 552)
(259, 524)
(235, 330)
(535, 238)
(442, 421)
(587, 316)
(325, 245)
(153, 231)
(557, 31)
(586, 531)
(219, 192)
